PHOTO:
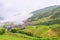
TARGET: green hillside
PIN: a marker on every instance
(46, 16)
(45, 22)
(43, 25)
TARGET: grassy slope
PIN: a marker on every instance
(38, 30)
(24, 37)
(15, 37)
(11, 37)
(43, 30)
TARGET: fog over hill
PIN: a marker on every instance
(20, 10)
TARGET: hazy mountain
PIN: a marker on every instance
(48, 15)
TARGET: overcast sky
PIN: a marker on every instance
(18, 10)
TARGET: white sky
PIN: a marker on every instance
(18, 10)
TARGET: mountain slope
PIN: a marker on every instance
(47, 16)
(44, 22)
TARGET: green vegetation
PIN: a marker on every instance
(39, 32)
(2, 31)
(43, 25)
(46, 16)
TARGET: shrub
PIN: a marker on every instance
(2, 31)
(14, 30)
(27, 33)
